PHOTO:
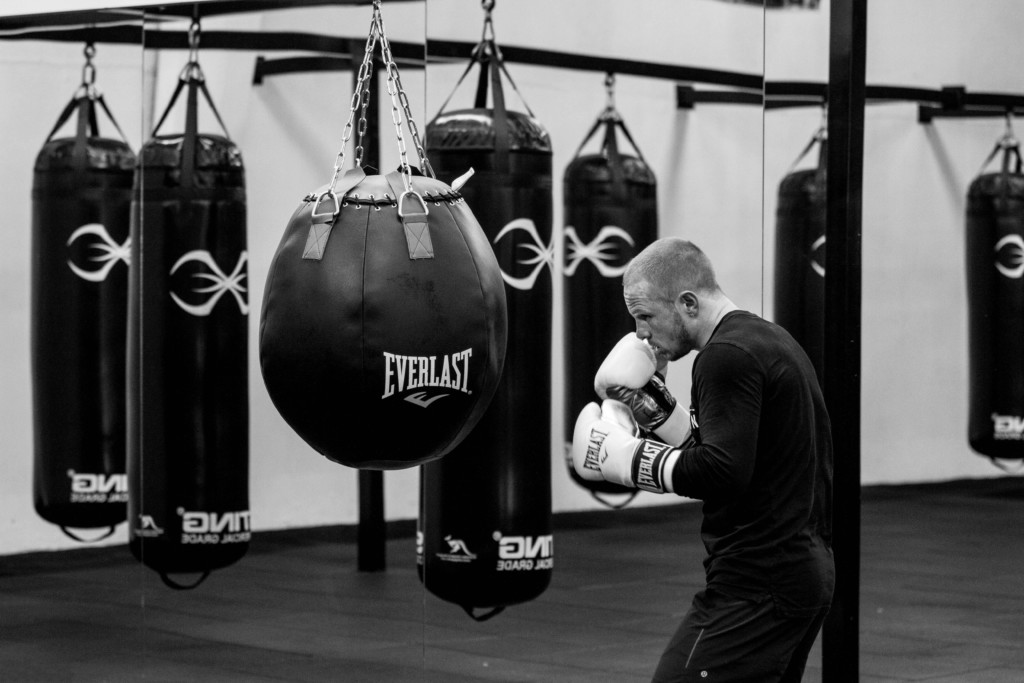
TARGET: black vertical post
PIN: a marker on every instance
(371, 535)
(840, 637)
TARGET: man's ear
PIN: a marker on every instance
(688, 304)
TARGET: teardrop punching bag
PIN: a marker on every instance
(611, 214)
(995, 297)
(799, 299)
(81, 199)
(188, 410)
(383, 327)
(485, 509)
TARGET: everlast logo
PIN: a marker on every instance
(1007, 427)
(650, 455)
(592, 461)
(402, 373)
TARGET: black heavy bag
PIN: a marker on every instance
(188, 410)
(995, 299)
(611, 214)
(485, 514)
(81, 199)
(799, 281)
(383, 327)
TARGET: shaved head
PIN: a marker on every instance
(672, 265)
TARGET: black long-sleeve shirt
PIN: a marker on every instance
(761, 460)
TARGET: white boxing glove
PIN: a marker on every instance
(629, 373)
(605, 447)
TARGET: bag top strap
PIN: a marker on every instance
(84, 101)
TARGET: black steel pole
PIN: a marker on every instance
(848, 32)
(371, 535)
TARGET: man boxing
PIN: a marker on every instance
(755, 447)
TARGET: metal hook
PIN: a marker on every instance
(609, 86)
(194, 31)
(822, 133)
(488, 32)
(1008, 139)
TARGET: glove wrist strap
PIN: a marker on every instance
(653, 465)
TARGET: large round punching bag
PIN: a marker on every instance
(383, 327)
(995, 299)
(81, 199)
(382, 349)
(611, 214)
(188, 411)
(799, 299)
(485, 509)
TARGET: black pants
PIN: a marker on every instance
(724, 638)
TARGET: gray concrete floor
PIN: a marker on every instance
(941, 572)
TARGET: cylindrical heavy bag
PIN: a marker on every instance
(188, 411)
(485, 509)
(995, 298)
(799, 300)
(383, 329)
(611, 214)
(81, 199)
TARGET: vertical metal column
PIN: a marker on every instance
(371, 534)
(848, 32)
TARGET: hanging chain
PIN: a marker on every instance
(400, 99)
(361, 96)
(89, 72)
(399, 106)
(358, 98)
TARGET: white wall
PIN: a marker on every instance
(718, 168)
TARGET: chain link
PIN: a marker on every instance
(89, 72)
(395, 89)
(358, 98)
(364, 79)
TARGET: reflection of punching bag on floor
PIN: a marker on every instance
(995, 297)
(611, 214)
(383, 327)
(799, 300)
(188, 411)
(485, 509)
(81, 199)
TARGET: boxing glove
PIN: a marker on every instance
(605, 447)
(629, 373)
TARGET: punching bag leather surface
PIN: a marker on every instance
(799, 280)
(188, 414)
(611, 214)
(995, 295)
(380, 355)
(485, 515)
(81, 199)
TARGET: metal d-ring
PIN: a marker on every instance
(320, 199)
